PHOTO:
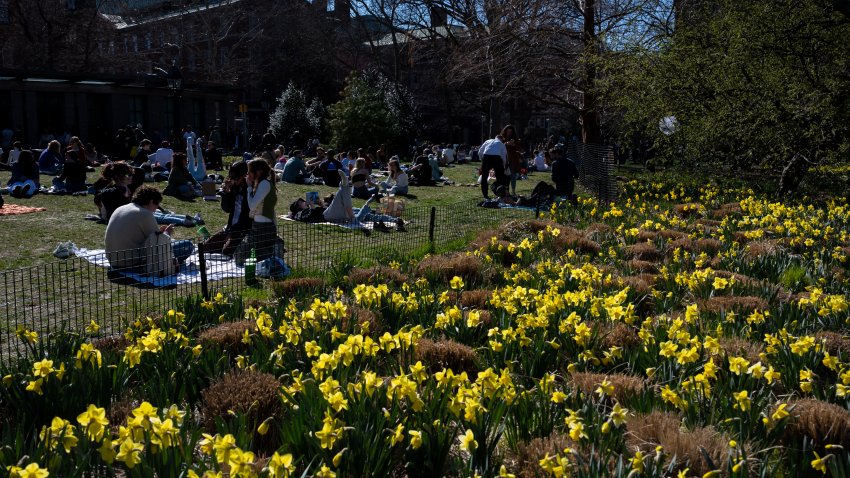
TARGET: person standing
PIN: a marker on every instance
(262, 199)
(564, 174)
(514, 160)
(494, 156)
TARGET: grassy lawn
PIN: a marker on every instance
(29, 239)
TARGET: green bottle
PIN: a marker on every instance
(251, 268)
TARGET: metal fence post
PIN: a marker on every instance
(431, 226)
(537, 209)
(205, 291)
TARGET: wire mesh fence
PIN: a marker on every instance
(83, 292)
(595, 164)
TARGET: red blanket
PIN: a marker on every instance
(15, 209)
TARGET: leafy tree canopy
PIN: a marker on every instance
(756, 82)
(373, 110)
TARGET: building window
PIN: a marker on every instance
(137, 109)
(135, 43)
(198, 114)
(169, 117)
(225, 57)
(126, 45)
(191, 59)
(330, 5)
(71, 5)
(148, 41)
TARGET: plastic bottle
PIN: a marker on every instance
(251, 268)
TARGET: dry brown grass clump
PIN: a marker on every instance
(118, 412)
(644, 251)
(577, 242)
(484, 238)
(833, 342)
(740, 305)
(242, 391)
(598, 228)
(529, 454)
(738, 347)
(709, 246)
(640, 283)
(708, 222)
(757, 249)
(685, 244)
(475, 299)
(483, 315)
(638, 266)
(647, 236)
(297, 286)
(376, 274)
(228, 335)
(823, 423)
(687, 210)
(113, 343)
(646, 432)
(447, 354)
(625, 386)
(671, 235)
(363, 318)
(617, 334)
(467, 267)
(727, 209)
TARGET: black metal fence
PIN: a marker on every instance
(81, 293)
(596, 169)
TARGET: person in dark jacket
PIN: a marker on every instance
(50, 161)
(329, 170)
(234, 201)
(181, 183)
(142, 153)
(564, 174)
(25, 176)
(73, 177)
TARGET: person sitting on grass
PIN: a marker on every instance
(50, 162)
(25, 176)
(421, 172)
(564, 174)
(132, 225)
(397, 182)
(328, 170)
(73, 177)
(181, 184)
(361, 180)
(295, 171)
(234, 201)
(115, 188)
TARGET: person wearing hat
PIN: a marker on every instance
(234, 201)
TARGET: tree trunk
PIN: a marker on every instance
(590, 129)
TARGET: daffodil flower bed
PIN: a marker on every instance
(685, 331)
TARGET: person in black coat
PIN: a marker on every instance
(234, 201)
(564, 174)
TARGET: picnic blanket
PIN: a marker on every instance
(16, 209)
(356, 225)
(218, 267)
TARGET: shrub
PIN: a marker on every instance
(644, 251)
(444, 268)
(228, 335)
(475, 299)
(298, 286)
(252, 394)
(380, 274)
(529, 454)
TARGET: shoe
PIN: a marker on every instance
(26, 190)
(198, 220)
(399, 225)
(16, 191)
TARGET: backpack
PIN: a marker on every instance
(159, 258)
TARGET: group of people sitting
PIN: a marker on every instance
(249, 196)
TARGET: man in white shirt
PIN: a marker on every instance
(494, 155)
(448, 155)
(163, 156)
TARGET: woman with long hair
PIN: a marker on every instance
(262, 199)
(397, 182)
(181, 183)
